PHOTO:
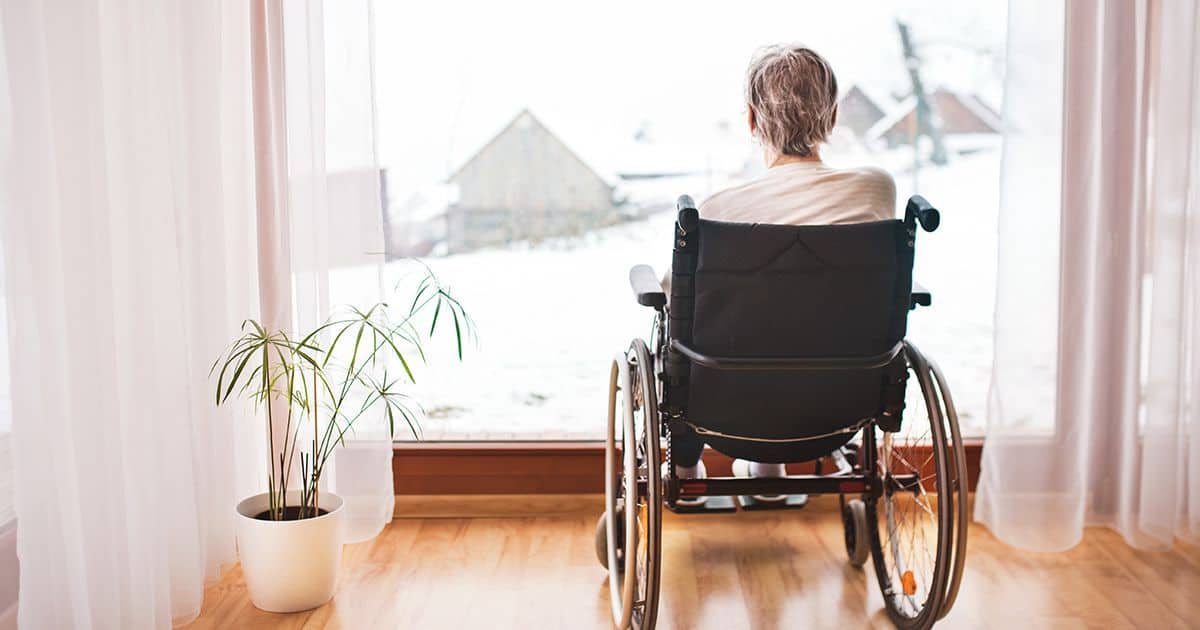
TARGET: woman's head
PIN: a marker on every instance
(791, 93)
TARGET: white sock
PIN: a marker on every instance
(691, 472)
(759, 469)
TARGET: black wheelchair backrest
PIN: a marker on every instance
(779, 332)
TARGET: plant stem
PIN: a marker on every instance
(287, 433)
(271, 506)
(315, 495)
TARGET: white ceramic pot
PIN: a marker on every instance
(290, 565)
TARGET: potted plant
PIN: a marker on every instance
(315, 388)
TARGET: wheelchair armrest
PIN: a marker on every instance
(646, 286)
(920, 296)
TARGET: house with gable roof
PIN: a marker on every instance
(525, 184)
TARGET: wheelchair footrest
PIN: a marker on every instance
(792, 502)
(711, 505)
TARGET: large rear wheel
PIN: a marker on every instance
(632, 523)
(917, 524)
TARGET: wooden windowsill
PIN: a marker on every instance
(530, 468)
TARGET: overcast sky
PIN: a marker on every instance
(450, 73)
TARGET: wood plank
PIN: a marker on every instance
(494, 505)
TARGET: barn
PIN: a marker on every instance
(961, 115)
(858, 110)
(525, 184)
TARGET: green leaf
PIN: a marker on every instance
(457, 334)
(433, 325)
(234, 379)
(421, 289)
(396, 351)
(221, 379)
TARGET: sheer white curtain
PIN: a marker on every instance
(132, 246)
(335, 213)
(128, 236)
(1094, 414)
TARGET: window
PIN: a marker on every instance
(533, 151)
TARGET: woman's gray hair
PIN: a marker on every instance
(793, 94)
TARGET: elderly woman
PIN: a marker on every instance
(791, 98)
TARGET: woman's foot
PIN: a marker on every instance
(691, 472)
(743, 468)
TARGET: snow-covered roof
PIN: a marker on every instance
(881, 98)
(980, 110)
(972, 103)
(618, 157)
(525, 117)
(891, 117)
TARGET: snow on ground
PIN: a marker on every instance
(957, 263)
(550, 317)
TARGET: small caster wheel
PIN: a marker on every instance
(854, 524)
(602, 539)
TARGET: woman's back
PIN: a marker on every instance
(807, 193)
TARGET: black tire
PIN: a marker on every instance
(646, 429)
(854, 524)
(961, 482)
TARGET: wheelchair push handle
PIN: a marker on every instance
(688, 218)
(921, 211)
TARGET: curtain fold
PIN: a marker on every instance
(1093, 414)
(1169, 487)
(132, 242)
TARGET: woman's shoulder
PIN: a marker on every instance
(871, 178)
(871, 174)
(872, 187)
(717, 204)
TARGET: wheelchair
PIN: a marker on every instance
(787, 344)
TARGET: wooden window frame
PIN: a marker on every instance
(575, 467)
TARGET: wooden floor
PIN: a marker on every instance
(748, 570)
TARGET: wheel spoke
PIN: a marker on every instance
(924, 505)
(909, 519)
(904, 460)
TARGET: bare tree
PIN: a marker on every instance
(929, 123)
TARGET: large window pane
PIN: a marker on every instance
(533, 152)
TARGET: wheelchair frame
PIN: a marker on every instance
(637, 485)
